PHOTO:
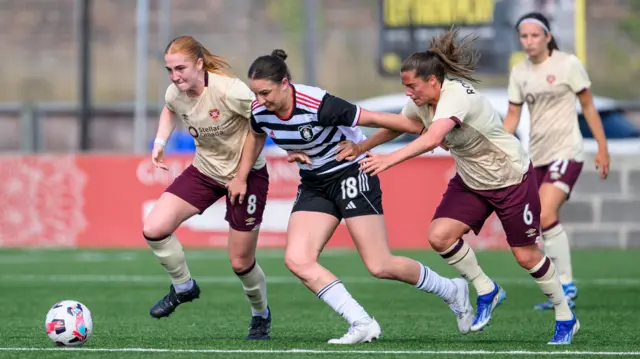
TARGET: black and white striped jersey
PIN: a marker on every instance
(317, 123)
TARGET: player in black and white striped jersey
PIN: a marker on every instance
(310, 124)
(311, 131)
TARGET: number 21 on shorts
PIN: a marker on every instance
(559, 166)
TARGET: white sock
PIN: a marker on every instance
(264, 314)
(170, 253)
(556, 247)
(544, 274)
(336, 295)
(183, 287)
(463, 258)
(254, 284)
(432, 282)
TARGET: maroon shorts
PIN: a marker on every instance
(201, 191)
(562, 173)
(517, 207)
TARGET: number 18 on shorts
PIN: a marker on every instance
(349, 193)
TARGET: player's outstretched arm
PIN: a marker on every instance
(379, 137)
(350, 150)
(391, 121)
(428, 141)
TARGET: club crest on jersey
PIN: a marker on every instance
(551, 79)
(530, 99)
(214, 114)
(306, 132)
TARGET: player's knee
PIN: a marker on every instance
(155, 231)
(299, 265)
(440, 238)
(381, 270)
(240, 263)
(381, 265)
(528, 256)
(548, 217)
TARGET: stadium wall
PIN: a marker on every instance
(99, 201)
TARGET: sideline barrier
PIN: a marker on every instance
(99, 201)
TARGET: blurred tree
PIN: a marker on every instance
(623, 55)
(630, 25)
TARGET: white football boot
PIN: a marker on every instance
(364, 331)
(462, 307)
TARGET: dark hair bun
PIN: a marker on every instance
(279, 53)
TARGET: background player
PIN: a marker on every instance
(494, 173)
(549, 81)
(310, 123)
(216, 107)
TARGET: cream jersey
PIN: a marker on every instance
(549, 90)
(486, 155)
(218, 120)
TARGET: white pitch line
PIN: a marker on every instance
(320, 351)
(96, 257)
(152, 279)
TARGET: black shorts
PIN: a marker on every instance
(346, 193)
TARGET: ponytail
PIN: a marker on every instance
(194, 50)
(445, 56)
(552, 45)
(214, 63)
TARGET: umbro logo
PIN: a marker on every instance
(351, 205)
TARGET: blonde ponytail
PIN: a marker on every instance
(194, 50)
(214, 63)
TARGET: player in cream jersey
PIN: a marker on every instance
(216, 107)
(550, 88)
(493, 174)
(486, 155)
(550, 81)
(217, 120)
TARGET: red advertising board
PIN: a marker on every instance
(99, 201)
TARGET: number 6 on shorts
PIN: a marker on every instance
(527, 216)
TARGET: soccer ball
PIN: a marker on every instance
(69, 323)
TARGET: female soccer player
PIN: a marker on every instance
(549, 81)
(216, 107)
(494, 173)
(309, 123)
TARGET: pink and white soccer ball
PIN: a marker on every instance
(69, 323)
